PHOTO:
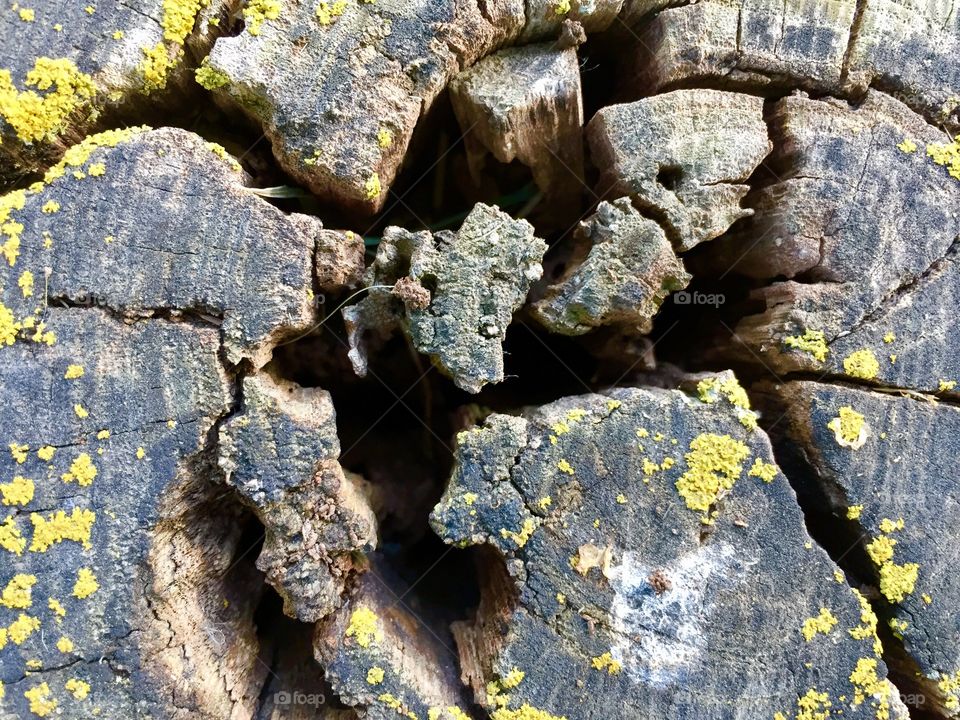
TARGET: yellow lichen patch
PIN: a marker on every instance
(849, 428)
(80, 411)
(520, 538)
(375, 675)
(97, 169)
(898, 581)
(65, 645)
(384, 138)
(867, 629)
(562, 7)
(86, 584)
(82, 470)
(513, 678)
(60, 527)
(866, 683)
(763, 470)
(73, 372)
(949, 685)
(889, 337)
(211, 78)
(709, 389)
(19, 452)
(78, 688)
(259, 11)
(179, 17)
(524, 712)
(25, 283)
(21, 628)
(812, 342)
(714, 464)
(363, 627)
(606, 662)
(10, 538)
(880, 549)
(41, 701)
(823, 623)
(141, 453)
(155, 66)
(35, 116)
(947, 385)
(27, 14)
(861, 364)
(18, 491)
(16, 594)
(328, 12)
(621, 499)
(854, 511)
(221, 152)
(565, 467)
(396, 704)
(372, 187)
(946, 155)
(57, 608)
(907, 146)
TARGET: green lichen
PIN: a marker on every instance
(812, 342)
(714, 464)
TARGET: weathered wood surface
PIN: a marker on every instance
(637, 527)
(683, 157)
(453, 293)
(886, 466)
(526, 104)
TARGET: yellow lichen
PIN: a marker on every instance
(65, 645)
(709, 389)
(949, 685)
(38, 117)
(57, 608)
(211, 78)
(97, 169)
(867, 629)
(898, 581)
(259, 11)
(25, 282)
(20, 629)
(16, 594)
(73, 372)
(41, 702)
(363, 627)
(19, 452)
(373, 187)
(562, 7)
(78, 154)
(86, 584)
(889, 337)
(384, 138)
(907, 146)
(59, 527)
(821, 623)
(155, 66)
(606, 662)
(861, 364)
(849, 428)
(946, 155)
(524, 712)
(81, 411)
(947, 385)
(513, 678)
(328, 12)
(520, 538)
(82, 470)
(763, 470)
(179, 17)
(10, 538)
(78, 688)
(714, 464)
(27, 14)
(18, 491)
(812, 342)
(853, 512)
(565, 467)
(375, 675)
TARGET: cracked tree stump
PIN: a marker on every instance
(636, 527)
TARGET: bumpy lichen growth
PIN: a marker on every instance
(822, 623)
(812, 705)
(896, 581)
(328, 12)
(59, 527)
(155, 66)
(41, 701)
(363, 627)
(861, 364)
(763, 470)
(179, 17)
(17, 593)
(714, 464)
(258, 12)
(524, 712)
(867, 685)
(78, 688)
(867, 629)
(812, 342)
(375, 675)
(86, 584)
(710, 388)
(849, 428)
(82, 470)
(18, 491)
(608, 663)
(61, 89)
(211, 78)
(947, 155)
